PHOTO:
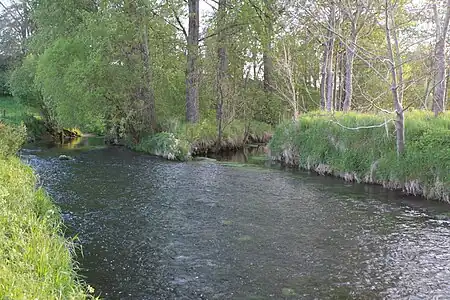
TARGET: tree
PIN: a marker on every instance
(192, 105)
(439, 57)
(222, 66)
(358, 14)
(396, 69)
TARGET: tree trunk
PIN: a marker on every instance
(440, 81)
(330, 58)
(427, 93)
(335, 81)
(341, 97)
(221, 68)
(323, 77)
(396, 82)
(349, 59)
(439, 59)
(192, 78)
(149, 95)
(267, 54)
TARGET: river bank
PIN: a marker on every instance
(180, 141)
(36, 261)
(333, 146)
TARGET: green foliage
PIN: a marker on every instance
(22, 83)
(36, 127)
(13, 111)
(179, 140)
(35, 262)
(4, 78)
(11, 139)
(165, 144)
(370, 154)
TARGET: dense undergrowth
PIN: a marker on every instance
(323, 144)
(179, 141)
(36, 262)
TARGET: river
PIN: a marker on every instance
(154, 229)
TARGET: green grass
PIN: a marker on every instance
(12, 111)
(369, 155)
(178, 140)
(36, 262)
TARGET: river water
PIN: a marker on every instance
(154, 229)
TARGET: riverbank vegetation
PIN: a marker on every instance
(356, 148)
(36, 262)
(181, 141)
(126, 69)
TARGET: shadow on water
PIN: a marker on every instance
(153, 229)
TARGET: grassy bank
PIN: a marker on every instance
(322, 144)
(180, 141)
(12, 111)
(36, 262)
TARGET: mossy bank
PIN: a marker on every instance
(333, 145)
(36, 261)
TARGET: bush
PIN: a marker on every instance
(369, 155)
(11, 139)
(36, 127)
(165, 144)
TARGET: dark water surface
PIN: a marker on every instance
(153, 229)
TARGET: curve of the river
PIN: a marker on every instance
(153, 229)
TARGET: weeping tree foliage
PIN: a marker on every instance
(127, 67)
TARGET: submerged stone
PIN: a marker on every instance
(288, 292)
(64, 157)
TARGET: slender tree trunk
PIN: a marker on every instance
(267, 54)
(192, 78)
(341, 81)
(222, 68)
(440, 81)
(149, 96)
(335, 81)
(330, 59)
(427, 93)
(349, 59)
(323, 77)
(439, 59)
(396, 82)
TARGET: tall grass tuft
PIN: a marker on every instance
(322, 143)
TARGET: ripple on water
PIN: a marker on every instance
(152, 229)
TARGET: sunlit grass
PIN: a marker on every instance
(36, 261)
(13, 112)
(322, 143)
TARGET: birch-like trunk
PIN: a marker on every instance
(397, 79)
(323, 77)
(440, 60)
(330, 48)
(350, 52)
